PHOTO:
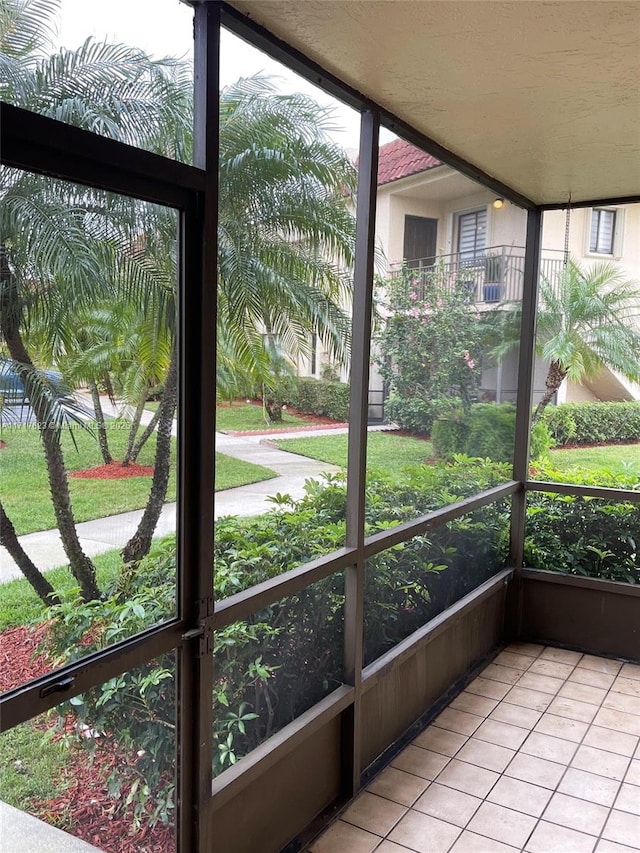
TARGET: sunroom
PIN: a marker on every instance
(376, 631)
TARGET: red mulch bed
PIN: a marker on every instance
(114, 471)
(18, 659)
(84, 804)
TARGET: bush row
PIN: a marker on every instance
(486, 430)
(317, 397)
(593, 423)
(272, 666)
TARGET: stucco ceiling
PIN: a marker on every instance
(543, 96)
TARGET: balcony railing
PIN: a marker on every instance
(493, 275)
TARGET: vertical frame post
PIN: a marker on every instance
(197, 451)
(357, 450)
(526, 365)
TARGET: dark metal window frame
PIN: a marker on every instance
(471, 256)
(597, 213)
(45, 146)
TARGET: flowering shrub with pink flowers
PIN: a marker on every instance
(431, 346)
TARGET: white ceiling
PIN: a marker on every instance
(543, 96)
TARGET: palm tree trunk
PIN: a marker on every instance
(81, 566)
(135, 424)
(555, 377)
(140, 543)
(10, 541)
(107, 458)
(146, 435)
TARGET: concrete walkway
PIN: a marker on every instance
(105, 534)
(20, 832)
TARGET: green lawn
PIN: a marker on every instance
(19, 605)
(24, 487)
(385, 451)
(33, 766)
(391, 452)
(244, 416)
(618, 458)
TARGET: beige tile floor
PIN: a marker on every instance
(540, 754)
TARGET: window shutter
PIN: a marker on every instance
(472, 234)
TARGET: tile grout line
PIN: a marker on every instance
(531, 730)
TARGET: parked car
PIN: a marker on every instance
(12, 390)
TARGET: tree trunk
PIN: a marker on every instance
(10, 541)
(555, 377)
(146, 435)
(107, 458)
(81, 566)
(135, 424)
(140, 543)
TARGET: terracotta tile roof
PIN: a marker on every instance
(399, 159)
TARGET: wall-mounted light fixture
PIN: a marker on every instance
(498, 203)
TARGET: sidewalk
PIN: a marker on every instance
(105, 534)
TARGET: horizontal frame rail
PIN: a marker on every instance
(44, 145)
(257, 597)
(403, 532)
(596, 584)
(50, 690)
(392, 659)
(594, 202)
(576, 490)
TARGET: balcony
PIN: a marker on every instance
(494, 275)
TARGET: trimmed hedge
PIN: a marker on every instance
(487, 431)
(317, 397)
(593, 423)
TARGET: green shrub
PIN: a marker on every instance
(449, 435)
(317, 397)
(583, 536)
(486, 431)
(593, 423)
(277, 663)
(411, 413)
(491, 432)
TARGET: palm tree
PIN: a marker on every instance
(286, 232)
(588, 319)
(66, 248)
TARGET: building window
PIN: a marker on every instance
(472, 235)
(603, 229)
